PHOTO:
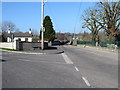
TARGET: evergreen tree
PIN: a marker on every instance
(49, 33)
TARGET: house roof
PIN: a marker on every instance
(20, 34)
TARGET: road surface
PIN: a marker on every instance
(75, 68)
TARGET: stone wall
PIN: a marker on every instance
(27, 46)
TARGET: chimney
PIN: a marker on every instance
(9, 31)
(30, 32)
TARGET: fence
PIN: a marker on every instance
(107, 44)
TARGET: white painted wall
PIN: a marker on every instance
(29, 39)
(8, 39)
(11, 45)
(22, 39)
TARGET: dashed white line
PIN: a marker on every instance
(76, 69)
(86, 81)
(67, 59)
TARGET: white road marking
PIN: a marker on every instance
(86, 81)
(41, 61)
(76, 69)
(26, 60)
(67, 59)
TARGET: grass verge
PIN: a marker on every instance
(74, 44)
(8, 49)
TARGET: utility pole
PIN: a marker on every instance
(74, 32)
(74, 41)
(42, 18)
(11, 36)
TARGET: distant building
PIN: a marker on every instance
(11, 37)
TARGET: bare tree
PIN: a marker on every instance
(17, 30)
(86, 36)
(102, 35)
(91, 24)
(6, 25)
(4, 28)
(35, 32)
(109, 18)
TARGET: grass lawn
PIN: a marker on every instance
(8, 49)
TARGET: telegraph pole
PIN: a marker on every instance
(42, 18)
(74, 33)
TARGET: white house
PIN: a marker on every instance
(11, 37)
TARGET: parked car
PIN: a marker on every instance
(56, 43)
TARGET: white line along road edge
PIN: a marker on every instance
(67, 59)
(86, 81)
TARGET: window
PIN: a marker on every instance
(19, 39)
(26, 39)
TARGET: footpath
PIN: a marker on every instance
(100, 48)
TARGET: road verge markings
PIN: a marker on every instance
(67, 59)
(76, 69)
(86, 81)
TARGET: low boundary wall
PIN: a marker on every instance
(22, 46)
(11, 45)
(27, 46)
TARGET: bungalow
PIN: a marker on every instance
(11, 37)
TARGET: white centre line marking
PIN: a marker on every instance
(67, 59)
(86, 81)
(76, 69)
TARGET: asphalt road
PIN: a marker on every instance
(99, 67)
(76, 68)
